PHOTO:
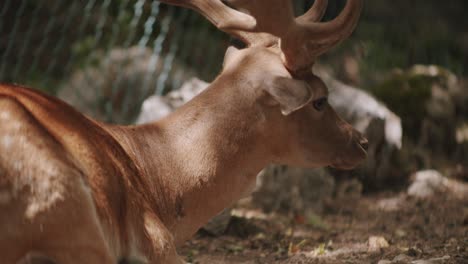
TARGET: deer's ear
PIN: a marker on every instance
(290, 94)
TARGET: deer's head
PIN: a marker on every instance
(280, 49)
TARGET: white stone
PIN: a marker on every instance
(426, 183)
(376, 243)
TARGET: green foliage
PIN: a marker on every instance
(316, 221)
(403, 33)
(82, 48)
(390, 34)
(406, 94)
(399, 34)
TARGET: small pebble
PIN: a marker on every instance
(402, 258)
(414, 252)
(384, 261)
(376, 243)
(400, 233)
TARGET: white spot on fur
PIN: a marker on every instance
(40, 203)
(157, 235)
(46, 190)
(15, 125)
(4, 115)
(7, 141)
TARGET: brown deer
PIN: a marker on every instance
(74, 190)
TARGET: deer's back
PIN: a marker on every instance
(41, 175)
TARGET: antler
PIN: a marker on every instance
(272, 22)
(301, 39)
(316, 12)
(262, 25)
(220, 15)
(309, 39)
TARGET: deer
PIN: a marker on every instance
(75, 190)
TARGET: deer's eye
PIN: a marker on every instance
(320, 103)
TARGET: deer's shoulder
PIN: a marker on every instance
(34, 167)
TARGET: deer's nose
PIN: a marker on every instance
(364, 143)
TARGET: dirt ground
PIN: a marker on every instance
(385, 227)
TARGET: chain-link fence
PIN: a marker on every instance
(98, 54)
(106, 56)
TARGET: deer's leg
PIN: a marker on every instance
(35, 258)
(65, 257)
(76, 234)
(160, 242)
(66, 243)
(67, 232)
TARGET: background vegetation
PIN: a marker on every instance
(42, 42)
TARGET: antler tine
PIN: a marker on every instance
(252, 25)
(258, 23)
(223, 17)
(301, 48)
(315, 13)
(342, 26)
(274, 18)
(272, 22)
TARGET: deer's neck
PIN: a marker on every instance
(200, 159)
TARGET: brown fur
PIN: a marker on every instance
(78, 191)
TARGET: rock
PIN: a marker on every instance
(376, 243)
(434, 107)
(287, 189)
(363, 109)
(414, 252)
(461, 155)
(429, 182)
(218, 224)
(348, 189)
(381, 126)
(113, 88)
(457, 189)
(156, 107)
(400, 233)
(402, 258)
(461, 133)
(391, 204)
(384, 261)
(440, 260)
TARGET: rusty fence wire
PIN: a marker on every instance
(106, 56)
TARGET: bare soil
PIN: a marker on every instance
(384, 226)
